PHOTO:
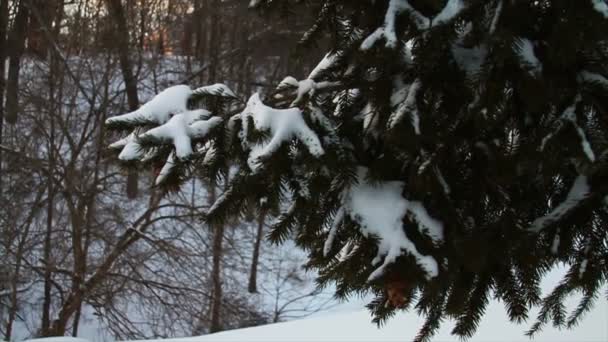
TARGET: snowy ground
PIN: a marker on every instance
(350, 322)
(355, 326)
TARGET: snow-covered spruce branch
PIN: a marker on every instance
(452, 9)
(283, 126)
(569, 115)
(173, 124)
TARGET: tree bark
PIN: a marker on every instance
(16, 43)
(214, 42)
(3, 48)
(216, 273)
(117, 13)
(54, 110)
(253, 274)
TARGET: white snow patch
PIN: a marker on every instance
(182, 128)
(451, 10)
(387, 30)
(379, 209)
(593, 77)
(527, 56)
(395, 7)
(283, 125)
(578, 192)
(303, 87)
(131, 150)
(167, 168)
(325, 63)
(555, 244)
(583, 268)
(217, 89)
(570, 115)
(431, 226)
(172, 100)
(332, 232)
(58, 339)
(601, 7)
(409, 105)
(120, 144)
(497, 13)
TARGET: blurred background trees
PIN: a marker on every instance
(72, 247)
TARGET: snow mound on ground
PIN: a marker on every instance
(59, 339)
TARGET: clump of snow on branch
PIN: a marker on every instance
(395, 7)
(181, 129)
(497, 13)
(578, 192)
(556, 242)
(408, 106)
(449, 12)
(284, 125)
(303, 88)
(169, 102)
(528, 57)
(380, 209)
(166, 169)
(338, 218)
(175, 125)
(324, 64)
(469, 59)
(217, 89)
(601, 7)
(594, 78)
(157, 111)
(569, 115)
(387, 30)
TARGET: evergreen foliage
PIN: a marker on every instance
(488, 117)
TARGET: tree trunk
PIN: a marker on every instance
(253, 274)
(214, 42)
(216, 273)
(54, 110)
(117, 13)
(16, 43)
(3, 48)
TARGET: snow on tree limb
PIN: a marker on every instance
(578, 192)
(338, 218)
(304, 87)
(387, 30)
(408, 106)
(395, 7)
(176, 125)
(324, 64)
(181, 129)
(171, 101)
(591, 77)
(601, 7)
(451, 10)
(218, 89)
(525, 52)
(379, 208)
(569, 115)
(283, 125)
(496, 18)
(166, 169)
(157, 111)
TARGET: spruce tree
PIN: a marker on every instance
(441, 154)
